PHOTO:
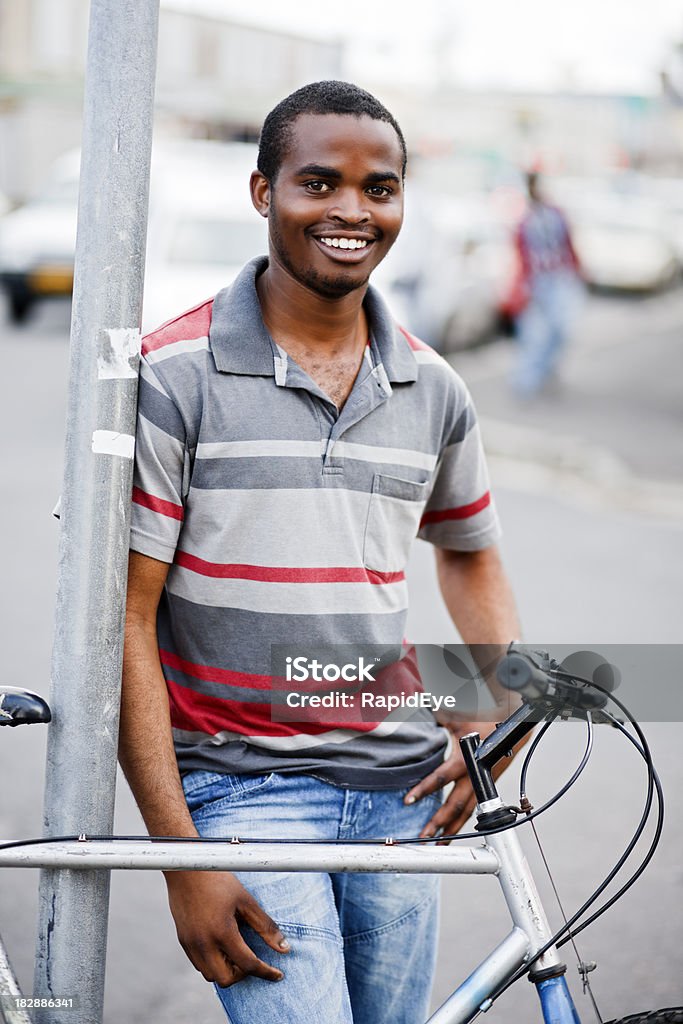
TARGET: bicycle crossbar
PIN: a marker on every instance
(226, 856)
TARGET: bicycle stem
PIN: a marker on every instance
(481, 757)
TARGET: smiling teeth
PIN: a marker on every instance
(345, 243)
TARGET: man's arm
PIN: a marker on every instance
(478, 595)
(206, 906)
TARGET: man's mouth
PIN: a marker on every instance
(345, 248)
(344, 243)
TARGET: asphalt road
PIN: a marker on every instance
(618, 396)
(588, 485)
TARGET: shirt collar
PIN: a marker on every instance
(240, 341)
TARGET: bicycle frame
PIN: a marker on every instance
(500, 855)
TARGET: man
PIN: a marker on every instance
(291, 442)
(549, 288)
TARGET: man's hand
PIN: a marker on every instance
(206, 908)
(461, 801)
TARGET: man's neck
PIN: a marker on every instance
(299, 320)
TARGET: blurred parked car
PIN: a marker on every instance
(37, 242)
(445, 274)
(669, 192)
(202, 227)
(625, 255)
(620, 231)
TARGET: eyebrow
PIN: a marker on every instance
(374, 178)
(319, 171)
(379, 176)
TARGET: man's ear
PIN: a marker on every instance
(260, 192)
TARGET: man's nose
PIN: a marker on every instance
(350, 206)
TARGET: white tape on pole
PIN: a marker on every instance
(118, 353)
(109, 442)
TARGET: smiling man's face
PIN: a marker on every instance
(336, 206)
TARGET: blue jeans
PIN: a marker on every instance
(542, 329)
(363, 946)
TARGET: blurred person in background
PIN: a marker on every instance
(546, 292)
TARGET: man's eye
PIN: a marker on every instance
(379, 190)
(318, 186)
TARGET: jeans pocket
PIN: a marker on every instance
(203, 788)
(392, 523)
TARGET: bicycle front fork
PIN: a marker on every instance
(556, 1002)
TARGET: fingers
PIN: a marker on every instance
(255, 916)
(228, 960)
(235, 974)
(452, 814)
(239, 955)
(206, 909)
(450, 771)
(428, 785)
(453, 769)
(455, 824)
(211, 963)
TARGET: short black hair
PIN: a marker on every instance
(327, 97)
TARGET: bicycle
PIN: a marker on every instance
(547, 693)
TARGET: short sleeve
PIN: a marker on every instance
(160, 470)
(460, 513)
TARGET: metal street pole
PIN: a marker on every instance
(105, 344)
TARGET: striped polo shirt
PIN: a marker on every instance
(288, 522)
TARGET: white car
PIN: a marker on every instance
(37, 242)
(202, 229)
(669, 193)
(621, 233)
(202, 226)
(444, 277)
(625, 256)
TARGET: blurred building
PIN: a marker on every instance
(219, 78)
(216, 78)
(564, 132)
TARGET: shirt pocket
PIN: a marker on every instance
(393, 519)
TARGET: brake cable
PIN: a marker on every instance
(651, 850)
(583, 966)
(654, 785)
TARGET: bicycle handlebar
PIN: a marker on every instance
(537, 678)
(22, 707)
(519, 673)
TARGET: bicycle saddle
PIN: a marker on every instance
(22, 707)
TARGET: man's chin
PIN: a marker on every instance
(334, 287)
